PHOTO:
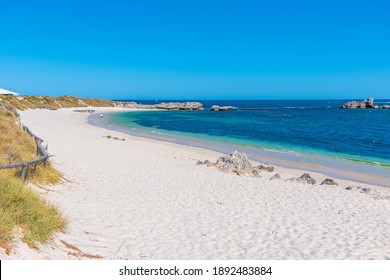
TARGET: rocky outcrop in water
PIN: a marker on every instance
(237, 163)
(364, 104)
(180, 106)
(221, 108)
(188, 106)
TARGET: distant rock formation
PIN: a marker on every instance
(180, 106)
(237, 163)
(221, 108)
(189, 106)
(369, 104)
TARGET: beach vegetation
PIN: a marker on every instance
(48, 102)
(23, 212)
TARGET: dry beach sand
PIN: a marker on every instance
(146, 199)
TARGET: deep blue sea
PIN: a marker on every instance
(308, 128)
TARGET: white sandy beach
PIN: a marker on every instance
(146, 199)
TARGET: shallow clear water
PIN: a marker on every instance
(309, 127)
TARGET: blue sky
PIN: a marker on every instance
(196, 49)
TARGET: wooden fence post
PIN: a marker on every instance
(35, 168)
(24, 173)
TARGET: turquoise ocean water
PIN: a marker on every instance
(312, 132)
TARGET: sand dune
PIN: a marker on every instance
(145, 199)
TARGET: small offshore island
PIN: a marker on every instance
(364, 104)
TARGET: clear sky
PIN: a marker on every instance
(184, 49)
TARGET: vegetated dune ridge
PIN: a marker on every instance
(24, 214)
(66, 101)
(145, 199)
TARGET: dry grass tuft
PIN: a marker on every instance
(15, 144)
(22, 207)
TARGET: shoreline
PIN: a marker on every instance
(147, 199)
(338, 168)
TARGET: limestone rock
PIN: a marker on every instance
(362, 190)
(221, 108)
(206, 162)
(358, 104)
(276, 177)
(365, 190)
(235, 163)
(369, 103)
(307, 179)
(266, 168)
(304, 179)
(329, 181)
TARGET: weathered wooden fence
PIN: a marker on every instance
(42, 159)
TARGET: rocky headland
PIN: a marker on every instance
(22, 103)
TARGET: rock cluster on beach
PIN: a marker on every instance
(113, 137)
(237, 163)
(189, 106)
(369, 103)
(374, 193)
(221, 108)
